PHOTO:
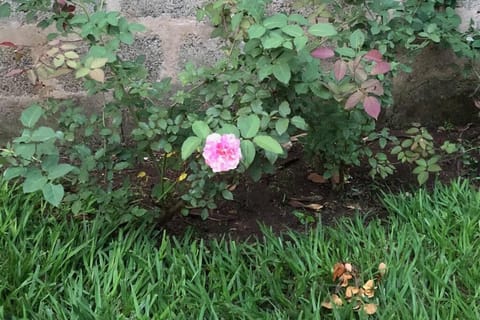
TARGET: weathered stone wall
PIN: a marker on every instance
(173, 37)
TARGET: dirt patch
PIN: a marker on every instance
(278, 201)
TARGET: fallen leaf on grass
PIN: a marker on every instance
(351, 291)
(334, 300)
(316, 178)
(345, 278)
(338, 270)
(369, 288)
(370, 308)
(382, 269)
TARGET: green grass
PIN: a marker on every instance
(52, 269)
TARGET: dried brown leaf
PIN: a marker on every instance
(351, 291)
(354, 99)
(336, 300)
(314, 206)
(296, 204)
(97, 75)
(369, 285)
(370, 308)
(338, 270)
(345, 278)
(316, 178)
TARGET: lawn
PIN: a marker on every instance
(54, 268)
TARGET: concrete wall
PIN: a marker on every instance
(173, 37)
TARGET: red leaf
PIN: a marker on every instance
(14, 72)
(323, 53)
(353, 100)
(340, 69)
(380, 68)
(373, 86)
(8, 44)
(372, 107)
(373, 55)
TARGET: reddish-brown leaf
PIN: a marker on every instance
(372, 107)
(381, 67)
(316, 178)
(14, 72)
(8, 44)
(296, 204)
(323, 53)
(360, 74)
(373, 55)
(338, 270)
(353, 100)
(373, 86)
(340, 69)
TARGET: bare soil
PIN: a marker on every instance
(274, 200)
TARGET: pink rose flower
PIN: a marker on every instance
(222, 152)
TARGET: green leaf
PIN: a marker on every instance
(268, 143)
(300, 42)
(58, 61)
(293, 30)
(248, 125)
(14, 172)
(121, 165)
(53, 193)
(346, 52)
(248, 152)
(299, 122)
(98, 63)
(396, 150)
(227, 195)
(43, 134)
(126, 37)
(201, 129)
(357, 39)
(136, 27)
(229, 128)
(264, 71)
(322, 30)
(282, 72)
(284, 109)
(82, 72)
(5, 10)
(434, 168)
(59, 171)
(281, 125)
(272, 40)
(189, 146)
(256, 31)
(25, 150)
(276, 21)
(34, 181)
(31, 115)
(422, 177)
